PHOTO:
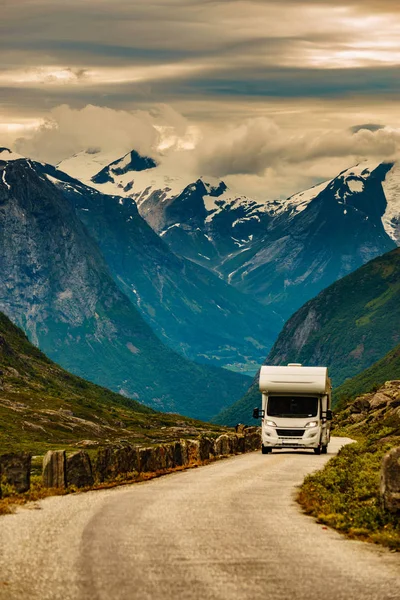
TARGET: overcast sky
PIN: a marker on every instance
(271, 95)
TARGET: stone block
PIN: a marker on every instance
(79, 470)
(206, 448)
(54, 469)
(390, 481)
(15, 470)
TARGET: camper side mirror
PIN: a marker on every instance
(329, 415)
(258, 413)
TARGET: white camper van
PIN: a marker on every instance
(296, 408)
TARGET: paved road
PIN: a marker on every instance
(227, 531)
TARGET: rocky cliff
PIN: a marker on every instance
(57, 286)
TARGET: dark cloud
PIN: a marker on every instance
(367, 126)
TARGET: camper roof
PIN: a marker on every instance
(294, 379)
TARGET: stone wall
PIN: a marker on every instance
(119, 462)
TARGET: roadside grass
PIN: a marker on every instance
(345, 494)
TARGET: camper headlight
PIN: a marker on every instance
(312, 424)
(270, 423)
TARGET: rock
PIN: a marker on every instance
(241, 447)
(252, 439)
(15, 470)
(240, 428)
(79, 470)
(87, 444)
(360, 405)
(103, 466)
(206, 448)
(125, 460)
(185, 452)
(234, 443)
(378, 400)
(222, 446)
(150, 460)
(54, 469)
(193, 450)
(390, 481)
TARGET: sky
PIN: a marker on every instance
(271, 95)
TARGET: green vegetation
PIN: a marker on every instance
(383, 370)
(345, 494)
(348, 327)
(44, 407)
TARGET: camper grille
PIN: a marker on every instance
(290, 432)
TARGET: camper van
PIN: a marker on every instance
(296, 408)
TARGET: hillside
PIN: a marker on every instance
(191, 309)
(348, 327)
(56, 285)
(44, 407)
(346, 494)
(385, 369)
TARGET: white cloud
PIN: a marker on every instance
(67, 131)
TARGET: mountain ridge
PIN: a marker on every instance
(56, 285)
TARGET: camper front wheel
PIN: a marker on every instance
(265, 450)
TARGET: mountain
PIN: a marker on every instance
(191, 309)
(348, 327)
(56, 285)
(387, 368)
(281, 253)
(44, 407)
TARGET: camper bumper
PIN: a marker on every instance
(295, 438)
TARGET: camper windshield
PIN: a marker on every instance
(292, 406)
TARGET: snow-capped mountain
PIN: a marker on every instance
(192, 309)
(56, 283)
(280, 252)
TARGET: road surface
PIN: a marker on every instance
(227, 531)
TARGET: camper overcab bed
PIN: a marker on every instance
(296, 408)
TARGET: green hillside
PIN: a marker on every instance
(44, 407)
(388, 368)
(348, 327)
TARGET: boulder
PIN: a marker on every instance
(360, 405)
(79, 470)
(185, 452)
(241, 447)
(222, 445)
(378, 400)
(240, 428)
(252, 439)
(150, 460)
(206, 448)
(193, 450)
(390, 481)
(177, 454)
(15, 471)
(54, 469)
(104, 464)
(234, 443)
(125, 460)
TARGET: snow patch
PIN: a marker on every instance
(356, 186)
(3, 178)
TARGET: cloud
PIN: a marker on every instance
(259, 145)
(67, 131)
(367, 126)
